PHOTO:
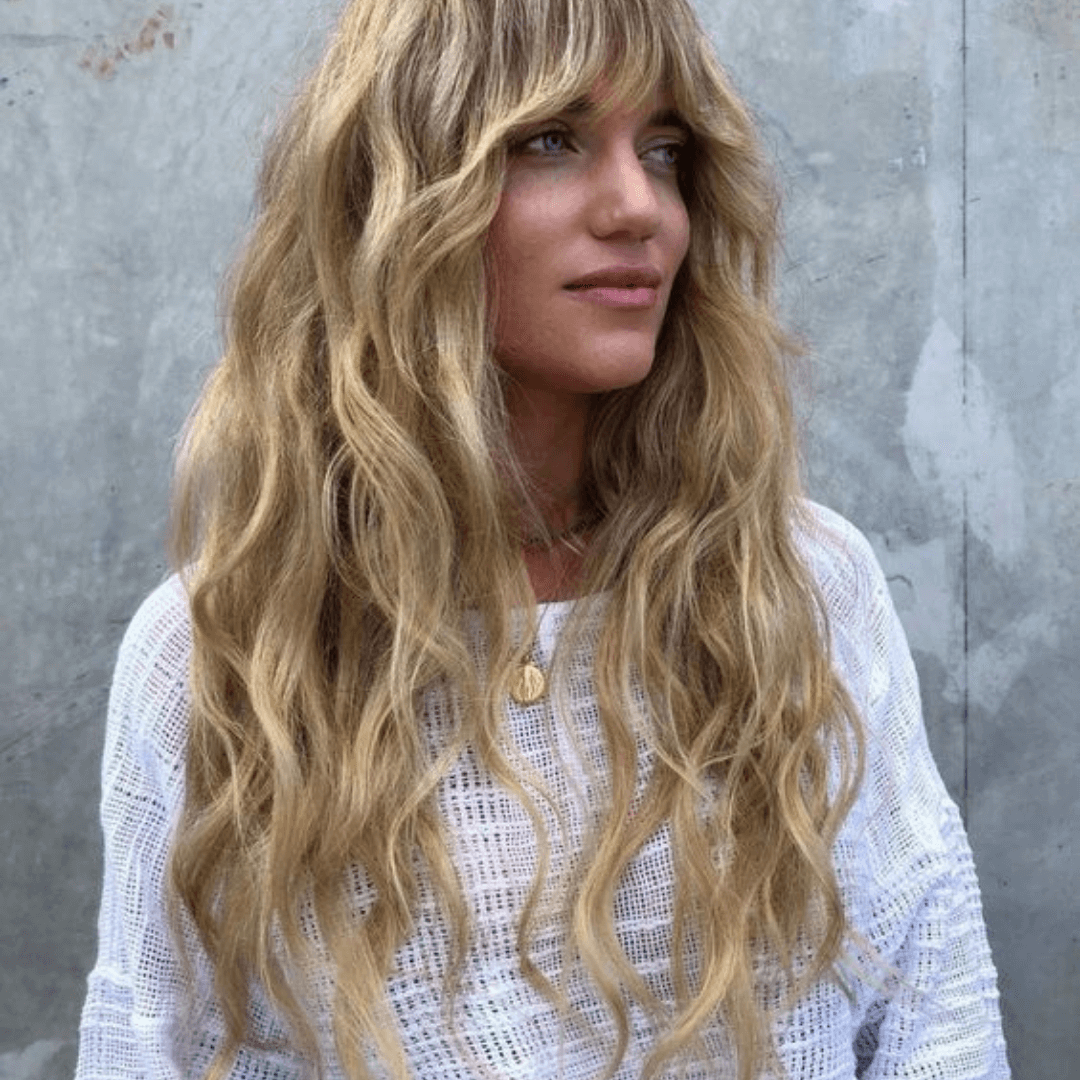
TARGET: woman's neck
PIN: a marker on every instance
(547, 434)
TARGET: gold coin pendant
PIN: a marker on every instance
(528, 684)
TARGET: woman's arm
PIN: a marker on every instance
(131, 1001)
(931, 1011)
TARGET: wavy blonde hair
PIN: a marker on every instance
(343, 499)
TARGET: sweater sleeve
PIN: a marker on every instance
(133, 988)
(928, 1000)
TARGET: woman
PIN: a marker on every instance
(510, 715)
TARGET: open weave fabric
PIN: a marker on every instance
(902, 858)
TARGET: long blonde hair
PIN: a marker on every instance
(342, 500)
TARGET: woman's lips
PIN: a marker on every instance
(628, 287)
(613, 296)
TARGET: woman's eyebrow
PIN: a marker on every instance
(581, 106)
(668, 117)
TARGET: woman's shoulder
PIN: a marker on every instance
(149, 701)
(156, 646)
(838, 556)
(867, 641)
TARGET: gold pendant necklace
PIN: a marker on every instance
(529, 684)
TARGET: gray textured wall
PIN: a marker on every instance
(930, 151)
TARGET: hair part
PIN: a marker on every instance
(345, 492)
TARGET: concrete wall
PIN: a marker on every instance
(929, 149)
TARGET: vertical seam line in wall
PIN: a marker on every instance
(965, 534)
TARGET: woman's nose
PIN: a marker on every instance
(625, 201)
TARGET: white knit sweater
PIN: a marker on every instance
(903, 861)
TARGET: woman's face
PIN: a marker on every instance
(586, 242)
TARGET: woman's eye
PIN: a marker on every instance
(666, 155)
(547, 142)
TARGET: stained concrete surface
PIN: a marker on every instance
(929, 154)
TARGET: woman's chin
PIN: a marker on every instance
(596, 375)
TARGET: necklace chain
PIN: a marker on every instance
(571, 532)
(529, 682)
